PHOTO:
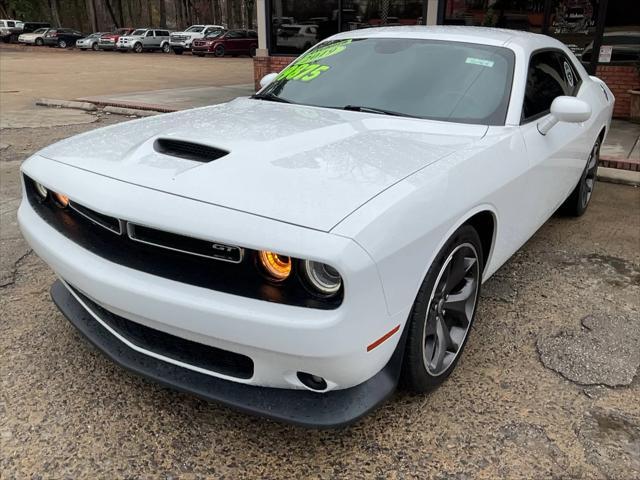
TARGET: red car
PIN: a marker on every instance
(221, 42)
(108, 40)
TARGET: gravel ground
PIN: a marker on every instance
(548, 386)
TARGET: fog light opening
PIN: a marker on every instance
(312, 382)
(42, 190)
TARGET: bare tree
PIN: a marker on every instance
(55, 17)
(163, 14)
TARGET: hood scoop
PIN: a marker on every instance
(188, 150)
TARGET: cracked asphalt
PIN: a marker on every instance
(548, 386)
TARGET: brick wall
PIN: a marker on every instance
(620, 79)
(264, 65)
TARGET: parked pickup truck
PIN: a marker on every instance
(181, 41)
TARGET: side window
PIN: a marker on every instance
(11, 24)
(149, 33)
(233, 34)
(253, 34)
(571, 77)
(545, 82)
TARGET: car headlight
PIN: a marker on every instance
(41, 189)
(322, 277)
(277, 267)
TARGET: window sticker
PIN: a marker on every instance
(306, 69)
(568, 73)
(479, 61)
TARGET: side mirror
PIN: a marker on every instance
(267, 79)
(565, 109)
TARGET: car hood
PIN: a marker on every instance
(303, 165)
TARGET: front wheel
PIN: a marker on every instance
(137, 48)
(94, 47)
(39, 42)
(576, 204)
(62, 43)
(443, 312)
(166, 48)
(219, 51)
(178, 51)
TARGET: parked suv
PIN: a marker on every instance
(62, 37)
(108, 41)
(90, 41)
(145, 39)
(181, 41)
(219, 43)
(10, 29)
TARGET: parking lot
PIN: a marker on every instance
(548, 386)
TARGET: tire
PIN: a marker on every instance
(439, 325)
(178, 51)
(94, 47)
(39, 42)
(252, 52)
(62, 43)
(219, 51)
(137, 48)
(166, 48)
(577, 202)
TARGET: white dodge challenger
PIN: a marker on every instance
(299, 253)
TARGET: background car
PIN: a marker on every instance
(298, 37)
(33, 38)
(10, 29)
(108, 41)
(220, 43)
(181, 41)
(30, 27)
(145, 39)
(62, 37)
(90, 42)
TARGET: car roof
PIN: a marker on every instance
(483, 35)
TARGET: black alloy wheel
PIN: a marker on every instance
(576, 204)
(219, 51)
(443, 312)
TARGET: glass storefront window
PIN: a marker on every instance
(297, 25)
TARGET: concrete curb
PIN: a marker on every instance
(51, 102)
(615, 175)
(130, 111)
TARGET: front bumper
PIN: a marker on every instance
(106, 46)
(319, 410)
(280, 339)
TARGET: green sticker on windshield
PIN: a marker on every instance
(306, 69)
(479, 61)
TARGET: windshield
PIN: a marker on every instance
(194, 29)
(215, 34)
(40, 30)
(450, 81)
(138, 32)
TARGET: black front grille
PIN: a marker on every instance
(188, 150)
(186, 351)
(88, 229)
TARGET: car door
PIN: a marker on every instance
(232, 41)
(149, 40)
(557, 158)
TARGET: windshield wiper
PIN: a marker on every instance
(359, 108)
(270, 97)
